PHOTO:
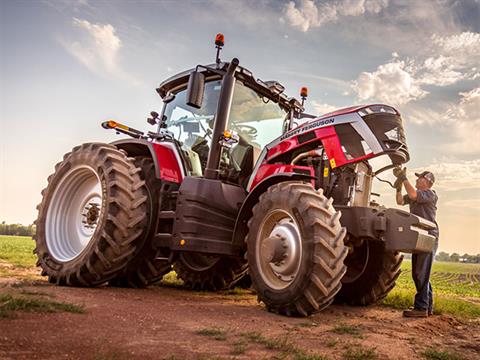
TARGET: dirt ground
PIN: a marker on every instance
(169, 323)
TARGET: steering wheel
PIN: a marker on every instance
(246, 129)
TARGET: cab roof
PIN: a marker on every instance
(272, 90)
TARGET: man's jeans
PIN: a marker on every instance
(421, 269)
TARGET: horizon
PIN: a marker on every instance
(66, 66)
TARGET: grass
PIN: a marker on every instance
(344, 329)
(360, 353)
(216, 333)
(432, 354)
(281, 344)
(456, 286)
(456, 289)
(171, 280)
(239, 347)
(450, 279)
(9, 304)
(17, 250)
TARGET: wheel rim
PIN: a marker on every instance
(278, 249)
(73, 213)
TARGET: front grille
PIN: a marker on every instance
(388, 129)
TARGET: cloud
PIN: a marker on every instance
(98, 49)
(471, 204)
(460, 121)
(454, 175)
(464, 119)
(392, 83)
(455, 58)
(321, 109)
(400, 81)
(308, 14)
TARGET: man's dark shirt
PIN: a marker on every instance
(424, 206)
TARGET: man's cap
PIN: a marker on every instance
(427, 175)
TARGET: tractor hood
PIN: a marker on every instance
(348, 136)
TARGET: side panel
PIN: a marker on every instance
(205, 216)
(267, 170)
(169, 161)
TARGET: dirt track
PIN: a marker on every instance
(163, 322)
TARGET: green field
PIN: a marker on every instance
(17, 250)
(456, 289)
(456, 286)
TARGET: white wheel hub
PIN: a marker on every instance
(73, 213)
(279, 249)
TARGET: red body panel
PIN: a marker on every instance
(168, 163)
(267, 170)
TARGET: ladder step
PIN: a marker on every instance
(162, 240)
(166, 214)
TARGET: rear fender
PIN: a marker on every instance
(245, 213)
(166, 157)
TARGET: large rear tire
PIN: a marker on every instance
(208, 273)
(295, 249)
(371, 274)
(148, 264)
(91, 216)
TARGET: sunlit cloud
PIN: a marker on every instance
(306, 14)
(98, 49)
(472, 204)
(392, 83)
(322, 108)
(454, 175)
(454, 58)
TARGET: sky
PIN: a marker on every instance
(66, 66)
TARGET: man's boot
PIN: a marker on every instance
(415, 313)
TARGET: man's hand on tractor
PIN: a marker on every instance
(398, 184)
(400, 174)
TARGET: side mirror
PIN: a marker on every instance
(196, 89)
(153, 119)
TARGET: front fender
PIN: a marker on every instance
(245, 213)
(166, 157)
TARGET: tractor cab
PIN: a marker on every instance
(258, 113)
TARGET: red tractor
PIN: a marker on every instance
(230, 184)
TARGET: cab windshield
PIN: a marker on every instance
(256, 120)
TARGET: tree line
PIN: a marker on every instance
(455, 257)
(17, 229)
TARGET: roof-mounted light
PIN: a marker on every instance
(303, 94)
(219, 40)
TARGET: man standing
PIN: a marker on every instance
(423, 202)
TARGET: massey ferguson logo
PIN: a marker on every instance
(313, 125)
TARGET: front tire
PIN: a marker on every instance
(371, 274)
(91, 216)
(295, 249)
